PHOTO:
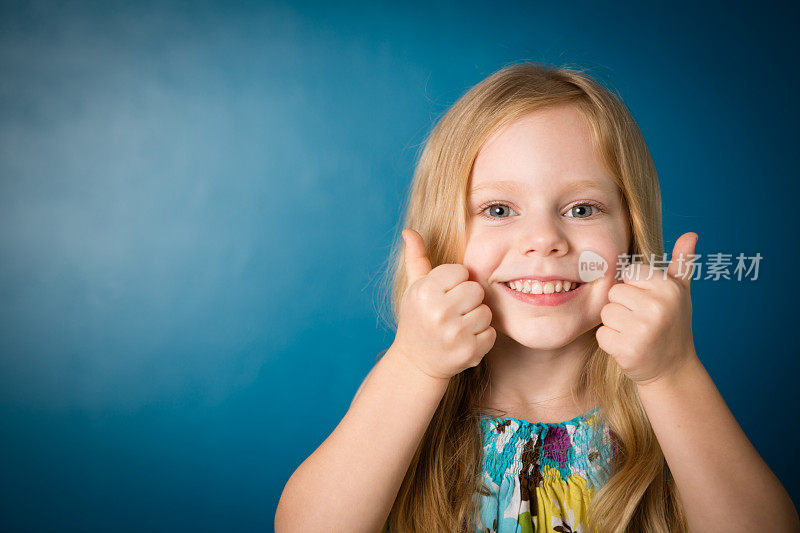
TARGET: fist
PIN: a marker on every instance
(443, 326)
(647, 322)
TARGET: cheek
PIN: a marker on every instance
(611, 253)
(481, 257)
(597, 298)
(609, 248)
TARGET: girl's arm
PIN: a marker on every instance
(723, 483)
(351, 481)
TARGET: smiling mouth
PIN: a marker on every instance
(542, 287)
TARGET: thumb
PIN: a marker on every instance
(417, 263)
(680, 265)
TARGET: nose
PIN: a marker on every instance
(542, 235)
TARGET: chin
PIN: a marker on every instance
(536, 340)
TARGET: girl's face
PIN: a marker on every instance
(539, 197)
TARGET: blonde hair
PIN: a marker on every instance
(640, 494)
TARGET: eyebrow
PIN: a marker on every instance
(516, 186)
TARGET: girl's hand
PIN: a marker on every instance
(443, 327)
(647, 324)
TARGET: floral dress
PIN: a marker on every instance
(542, 476)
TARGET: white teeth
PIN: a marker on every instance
(537, 287)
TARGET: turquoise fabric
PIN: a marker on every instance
(542, 476)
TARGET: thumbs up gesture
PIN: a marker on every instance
(443, 326)
(647, 324)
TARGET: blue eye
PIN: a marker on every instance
(581, 211)
(497, 208)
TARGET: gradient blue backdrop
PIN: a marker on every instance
(197, 199)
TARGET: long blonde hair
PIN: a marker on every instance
(640, 494)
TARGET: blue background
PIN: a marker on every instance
(197, 200)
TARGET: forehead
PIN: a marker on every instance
(549, 147)
(601, 185)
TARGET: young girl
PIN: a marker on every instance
(519, 394)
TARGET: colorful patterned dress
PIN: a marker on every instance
(542, 475)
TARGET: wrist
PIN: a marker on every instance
(682, 373)
(403, 363)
